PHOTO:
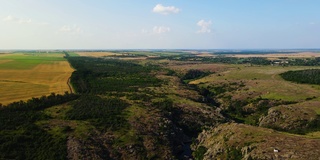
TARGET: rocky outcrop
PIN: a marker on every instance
(91, 148)
(288, 118)
(239, 141)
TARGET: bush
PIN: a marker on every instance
(199, 153)
(194, 74)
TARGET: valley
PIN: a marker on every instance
(167, 105)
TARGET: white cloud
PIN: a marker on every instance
(25, 21)
(159, 8)
(16, 20)
(10, 19)
(160, 29)
(43, 23)
(144, 31)
(156, 30)
(205, 26)
(74, 30)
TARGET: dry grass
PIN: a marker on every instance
(96, 54)
(4, 54)
(184, 67)
(312, 104)
(134, 58)
(315, 135)
(4, 61)
(263, 80)
(110, 54)
(205, 55)
(262, 143)
(42, 79)
(293, 55)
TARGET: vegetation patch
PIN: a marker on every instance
(199, 153)
(21, 138)
(104, 113)
(310, 76)
(99, 76)
(234, 153)
(193, 74)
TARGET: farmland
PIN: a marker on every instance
(27, 75)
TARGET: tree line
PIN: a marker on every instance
(99, 76)
(309, 76)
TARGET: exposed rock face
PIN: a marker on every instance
(288, 118)
(92, 148)
(239, 141)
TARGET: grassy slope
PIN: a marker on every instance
(266, 81)
(235, 141)
(262, 81)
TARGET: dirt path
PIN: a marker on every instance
(69, 85)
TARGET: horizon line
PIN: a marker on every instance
(180, 49)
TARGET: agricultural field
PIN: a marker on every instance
(126, 55)
(27, 75)
(279, 55)
(94, 54)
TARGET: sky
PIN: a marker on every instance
(155, 24)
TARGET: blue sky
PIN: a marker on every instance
(154, 24)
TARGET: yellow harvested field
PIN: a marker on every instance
(96, 54)
(4, 61)
(205, 55)
(134, 58)
(43, 79)
(4, 54)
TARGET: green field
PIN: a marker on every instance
(27, 75)
(73, 54)
(25, 61)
